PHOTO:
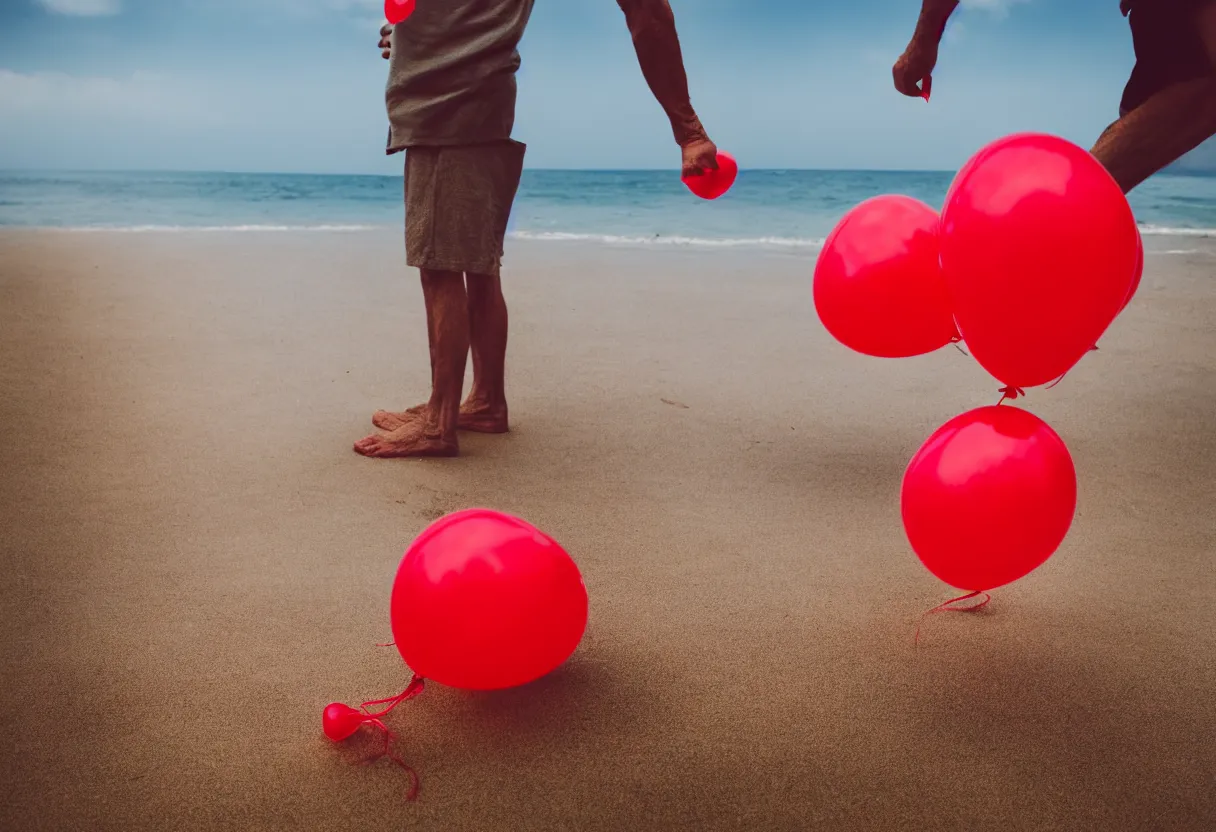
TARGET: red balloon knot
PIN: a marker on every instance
(948, 606)
(1010, 393)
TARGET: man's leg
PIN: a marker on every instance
(470, 223)
(1171, 99)
(434, 432)
(486, 408)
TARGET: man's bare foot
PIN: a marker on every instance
(409, 440)
(474, 417)
(390, 420)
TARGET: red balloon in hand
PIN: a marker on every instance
(483, 600)
(396, 11)
(713, 183)
(878, 287)
(989, 497)
(1038, 246)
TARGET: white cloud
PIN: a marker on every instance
(83, 8)
(1000, 8)
(141, 97)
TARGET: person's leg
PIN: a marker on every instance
(1169, 106)
(486, 408)
(434, 432)
(478, 186)
(447, 318)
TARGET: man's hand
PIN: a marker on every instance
(914, 66)
(386, 42)
(700, 155)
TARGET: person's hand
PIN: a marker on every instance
(386, 42)
(700, 155)
(914, 66)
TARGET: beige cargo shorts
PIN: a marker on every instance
(457, 203)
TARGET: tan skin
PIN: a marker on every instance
(1160, 131)
(468, 312)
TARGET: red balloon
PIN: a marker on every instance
(1137, 273)
(483, 601)
(713, 183)
(396, 11)
(878, 286)
(1038, 245)
(340, 721)
(989, 497)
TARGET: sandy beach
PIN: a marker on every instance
(195, 562)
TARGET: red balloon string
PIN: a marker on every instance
(415, 687)
(1094, 348)
(1010, 393)
(389, 644)
(955, 341)
(411, 793)
(948, 606)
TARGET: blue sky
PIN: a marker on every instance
(283, 85)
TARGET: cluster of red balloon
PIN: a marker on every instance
(1035, 254)
(482, 601)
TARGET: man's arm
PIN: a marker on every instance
(917, 62)
(1159, 132)
(1170, 124)
(653, 28)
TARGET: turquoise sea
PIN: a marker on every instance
(789, 210)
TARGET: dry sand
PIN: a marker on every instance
(195, 562)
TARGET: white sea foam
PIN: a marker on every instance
(143, 229)
(675, 240)
(773, 242)
(1163, 231)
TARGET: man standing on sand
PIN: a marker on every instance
(451, 107)
(1169, 103)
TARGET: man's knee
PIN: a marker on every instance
(436, 277)
(484, 288)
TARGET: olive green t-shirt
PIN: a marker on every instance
(451, 77)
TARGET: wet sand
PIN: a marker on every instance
(196, 562)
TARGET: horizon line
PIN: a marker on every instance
(1168, 171)
(395, 175)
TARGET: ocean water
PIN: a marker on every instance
(774, 209)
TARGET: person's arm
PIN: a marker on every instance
(933, 17)
(1170, 124)
(1159, 132)
(653, 28)
(917, 62)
